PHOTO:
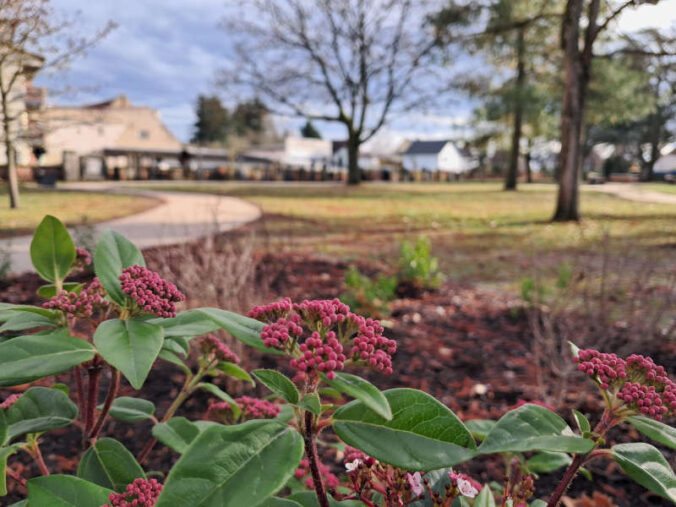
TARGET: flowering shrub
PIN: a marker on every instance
(399, 447)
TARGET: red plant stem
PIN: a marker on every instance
(37, 455)
(110, 398)
(92, 397)
(309, 435)
(16, 477)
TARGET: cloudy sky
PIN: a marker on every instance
(165, 52)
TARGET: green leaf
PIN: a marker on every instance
(575, 350)
(40, 409)
(24, 320)
(49, 291)
(243, 328)
(174, 347)
(311, 403)
(545, 462)
(114, 253)
(646, 465)
(278, 384)
(219, 393)
(438, 480)
(484, 498)
(479, 428)
(538, 503)
(187, 324)
(582, 422)
(27, 358)
(52, 250)
(131, 346)
(274, 501)
(4, 428)
(130, 409)
(657, 431)
(177, 433)
(5, 453)
(362, 390)
(235, 371)
(427, 434)
(533, 428)
(108, 463)
(309, 499)
(231, 466)
(11, 310)
(65, 491)
(174, 359)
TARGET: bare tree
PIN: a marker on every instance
(33, 38)
(583, 22)
(349, 61)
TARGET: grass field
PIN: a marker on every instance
(666, 188)
(478, 231)
(73, 208)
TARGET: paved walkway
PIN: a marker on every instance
(180, 217)
(633, 192)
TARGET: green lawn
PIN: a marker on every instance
(73, 208)
(479, 232)
(667, 188)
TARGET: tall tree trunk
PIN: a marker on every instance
(353, 171)
(571, 116)
(513, 170)
(655, 135)
(12, 175)
(527, 159)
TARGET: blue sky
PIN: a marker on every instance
(165, 52)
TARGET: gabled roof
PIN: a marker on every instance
(425, 147)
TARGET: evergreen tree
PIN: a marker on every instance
(309, 130)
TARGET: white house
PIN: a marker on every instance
(340, 158)
(433, 156)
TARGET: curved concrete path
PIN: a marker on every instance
(633, 192)
(181, 217)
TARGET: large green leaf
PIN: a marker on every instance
(222, 395)
(52, 250)
(40, 409)
(4, 427)
(659, 432)
(484, 498)
(65, 491)
(309, 499)
(50, 290)
(177, 433)
(533, 428)
(243, 328)
(275, 501)
(130, 409)
(232, 466)
(187, 324)
(278, 384)
(131, 346)
(108, 463)
(479, 428)
(364, 391)
(5, 453)
(25, 320)
(427, 434)
(545, 462)
(27, 358)
(232, 370)
(646, 465)
(114, 252)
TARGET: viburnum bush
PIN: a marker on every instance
(397, 447)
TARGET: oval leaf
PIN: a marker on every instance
(479, 428)
(243, 328)
(646, 465)
(218, 392)
(581, 421)
(131, 346)
(108, 463)
(114, 252)
(311, 403)
(5, 453)
(362, 390)
(309, 499)
(278, 384)
(533, 428)
(25, 320)
(52, 250)
(65, 491)
(232, 370)
(187, 324)
(484, 498)
(231, 466)
(49, 291)
(130, 409)
(29, 358)
(545, 462)
(177, 433)
(40, 409)
(428, 435)
(659, 432)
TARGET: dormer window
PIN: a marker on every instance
(143, 134)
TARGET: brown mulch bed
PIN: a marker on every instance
(467, 346)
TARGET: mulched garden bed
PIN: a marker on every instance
(467, 346)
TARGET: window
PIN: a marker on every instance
(143, 134)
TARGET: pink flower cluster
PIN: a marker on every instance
(640, 383)
(212, 345)
(354, 457)
(80, 305)
(323, 356)
(10, 400)
(150, 291)
(465, 485)
(82, 257)
(140, 493)
(334, 334)
(252, 408)
(303, 471)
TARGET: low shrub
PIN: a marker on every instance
(418, 270)
(369, 296)
(398, 446)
